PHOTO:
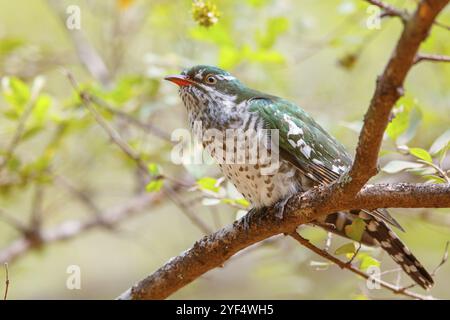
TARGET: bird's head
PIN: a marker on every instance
(206, 84)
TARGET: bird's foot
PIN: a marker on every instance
(280, 205)
(251, 213)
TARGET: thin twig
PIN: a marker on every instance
(443, 260)
(6, 282)
(147, 127)
(350, 267)
(437, 168)
(389, 10)
(431, 57)
(78, 193)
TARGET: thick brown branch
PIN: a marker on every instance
(213, 250)
(388, 89)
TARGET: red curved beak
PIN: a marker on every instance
(180, 80)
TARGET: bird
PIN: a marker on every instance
(308, 156)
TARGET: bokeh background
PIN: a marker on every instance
(64, 169)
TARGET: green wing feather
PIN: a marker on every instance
(305, 144)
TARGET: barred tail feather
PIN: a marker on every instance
(378, 233)
(383, 236)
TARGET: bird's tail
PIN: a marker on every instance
(378, 233)
(382, 235)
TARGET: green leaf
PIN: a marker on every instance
(367, 261)
(154, 185)
(421, 154)
(229, 57)
(243, 202)
(208, 184)
(16, 92)
(407, 117)
(435, 179)
(440, 143)
(356, 229)
(41, 108)
(153, 169)
(346, 248)
(31, 132)
(274, 28)
(400, 165)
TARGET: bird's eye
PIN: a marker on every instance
(210, 79)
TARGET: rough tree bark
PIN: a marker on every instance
(348, 193)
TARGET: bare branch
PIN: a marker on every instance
(87, 54)
(70, 229)
(147, 127)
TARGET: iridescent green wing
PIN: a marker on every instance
(305, 144)
(302, 141)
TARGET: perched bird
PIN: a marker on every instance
(308, 155)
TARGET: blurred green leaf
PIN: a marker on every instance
(16, 92)
(421, 154)
(400, 165)
(356, 229)
(208, 184)
(8, 45)
(367, 261)
(346, 248)
(154, 185)
(153, 169)
(41, 108)
(274, 28)
(218, 34)
(407, 117)
(434, 179)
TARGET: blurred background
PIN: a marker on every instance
(69, 196)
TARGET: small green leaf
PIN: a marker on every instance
(346, 248)
(421, 154)
(407, 118)
(154, 185)
(41, 108)
(208, 184)
(435, 179)
(153, 169)
(16, 92)
(243, 202)
(399, 165)
(356, 229)
(367, 261)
